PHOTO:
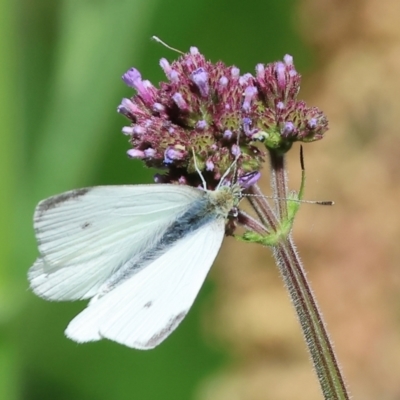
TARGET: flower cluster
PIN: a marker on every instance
(208, 115)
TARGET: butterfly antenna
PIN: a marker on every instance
(158, 40)
(227, 171)
(198, 170)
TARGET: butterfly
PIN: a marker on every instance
(140, 253)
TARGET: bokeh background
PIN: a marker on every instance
(60, 69)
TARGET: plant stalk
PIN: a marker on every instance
(294, 277)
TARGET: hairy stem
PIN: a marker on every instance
(312, 324)
(262, 207)
(279, 183)
(294, 277)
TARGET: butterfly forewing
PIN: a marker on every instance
(86, 235)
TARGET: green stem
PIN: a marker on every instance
(294, 277)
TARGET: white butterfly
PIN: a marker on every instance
(141, 253)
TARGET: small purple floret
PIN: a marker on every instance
(260, 71)
(280, 70)
(312, 123)
(209, 165)
(127, 107)
(200, 79)
(133, 79)
(158, 107)
(135, 153)
(223, 82)
(235, 72)
(172, 155)
(280, 105)
(174, 76)
(127, 130)
(249, 179)
(150, 153)
(182, 180)
(244, 80)
(247, 122)
(288, 129)
(288, 59)
(179, 101)
(165, 65)
(235, 150)
(201, 125)
(138, 130)
(249, 94)
(227, 134)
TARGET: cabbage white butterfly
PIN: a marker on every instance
(140, 253)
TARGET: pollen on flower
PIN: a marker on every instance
(213, 113)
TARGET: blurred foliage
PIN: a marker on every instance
(60, 86)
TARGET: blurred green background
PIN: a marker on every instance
(60, 85)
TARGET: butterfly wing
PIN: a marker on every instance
(143, 310)
(84, 236)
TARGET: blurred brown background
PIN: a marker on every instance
(60, 85)
(351, 251)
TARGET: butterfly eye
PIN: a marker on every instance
(234, 212)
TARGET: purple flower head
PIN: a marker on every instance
(210, 113)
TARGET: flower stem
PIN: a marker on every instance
(294, 277)
(279, 183)
(312, 324)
